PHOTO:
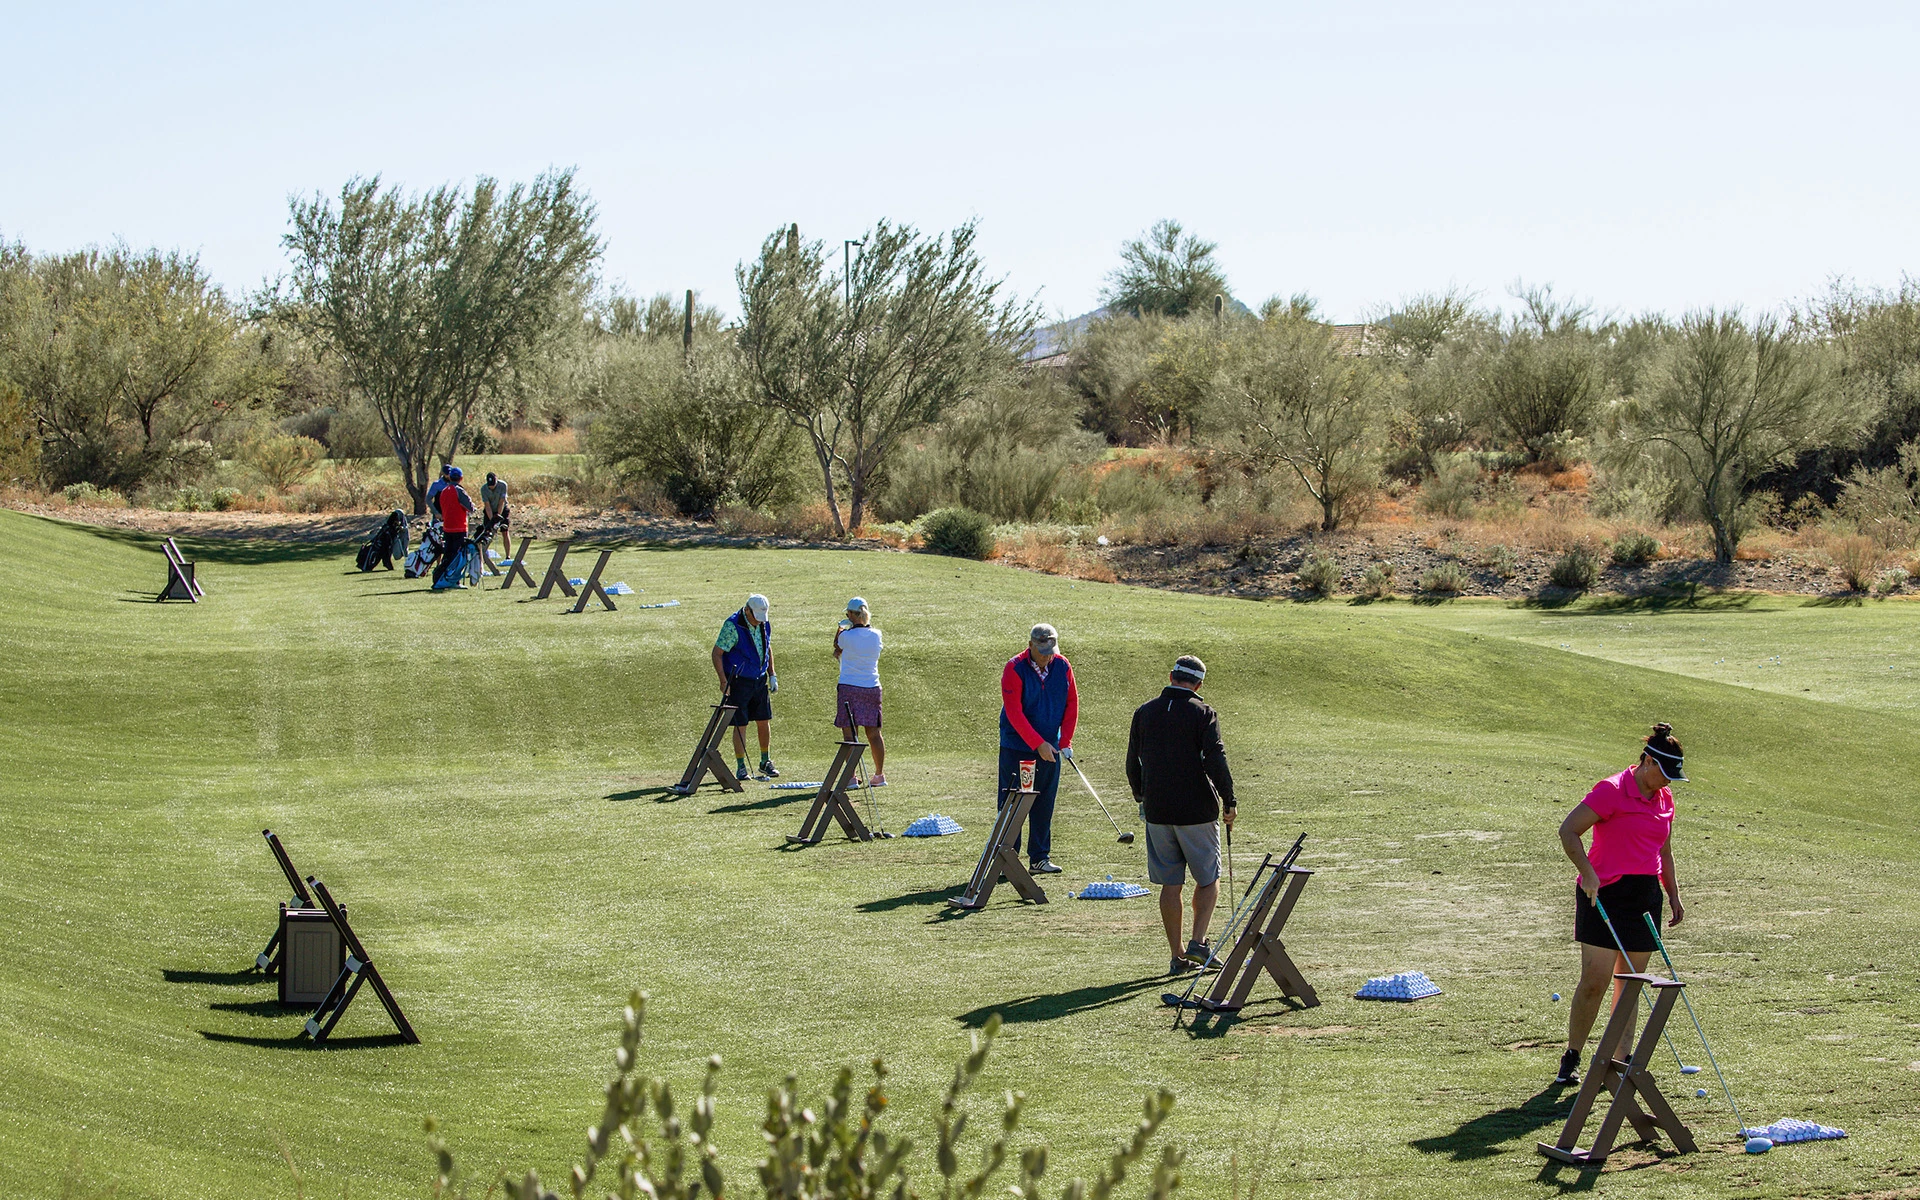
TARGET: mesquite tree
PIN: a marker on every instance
(859, 361)
(1295, 394)
(432, 302)
(1731, 402)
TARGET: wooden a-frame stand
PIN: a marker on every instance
(517, 566)
(1000, 858)
(556, 576)
(707, 756)
(1259, 948)
(359, 970)
(832, 800)
(593, 588)
(268, 960)
(1624, 1078)
(181, 585)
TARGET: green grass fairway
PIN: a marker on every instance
(479, 778)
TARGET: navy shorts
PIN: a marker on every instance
(752, 698)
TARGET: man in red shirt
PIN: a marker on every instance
(454, 505)
(1039, 707)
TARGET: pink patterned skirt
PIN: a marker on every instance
(866, 706)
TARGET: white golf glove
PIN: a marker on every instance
(773, 683)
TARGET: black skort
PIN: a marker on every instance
(753, 700)
(1625, 899)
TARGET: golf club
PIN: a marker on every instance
(1180, 1002)
(1126, 838)
(1675, 975)
(873, 812)
(1618, 945)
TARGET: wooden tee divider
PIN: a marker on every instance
(832, 802)
(181, 584)
(1625, 1078)
(359, 969)
(1259, 948)
(1000, 858)
(269, 960)
(707, 757)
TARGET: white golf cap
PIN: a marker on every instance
(857, 605)
(758, 604)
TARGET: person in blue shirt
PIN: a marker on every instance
(743, 659)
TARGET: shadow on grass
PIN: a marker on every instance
(1203, 1025)
(235, 552)
(260, 1008)
(300, 1041)
(1846, 600)
(908, 900)
(777, 800)
(661, 795)
(221, 978)
(1053, 1005)
(1682, 597)
(1484, 1135)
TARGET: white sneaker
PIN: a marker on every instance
(877, 781)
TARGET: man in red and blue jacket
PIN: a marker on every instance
(1040, 705)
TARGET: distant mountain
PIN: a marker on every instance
(1051, 340)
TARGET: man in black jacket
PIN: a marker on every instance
(1177, 768)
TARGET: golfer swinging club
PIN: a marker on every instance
(1039, 707)
(1631, 816)
(857, 644)
(743, 659)
(1176, 762)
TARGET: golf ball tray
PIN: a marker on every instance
(932, 825)
(1406, 985)
(1792, 1129)
(1108, 889)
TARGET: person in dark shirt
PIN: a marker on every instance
(1177, 768)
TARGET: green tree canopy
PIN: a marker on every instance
(433, 303)
(858, 362)
(124, 358)
(1168, 272)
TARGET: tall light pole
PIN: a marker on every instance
(846, 269)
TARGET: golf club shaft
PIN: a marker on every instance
(1619, 945)
(853, 735)
(1675, 975)
(1086, 783)
(1240, 910)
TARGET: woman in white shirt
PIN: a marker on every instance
(857, 645)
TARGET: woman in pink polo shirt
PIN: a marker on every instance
(1628, 866)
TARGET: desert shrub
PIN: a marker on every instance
(1376, 583)
(1577, 569)
(1451, 491)
(1885, 504)
(1890, 582)
(189, 499)
(1447, 579)
(1635, 549)
(283, 459)
(481, 440)
(225, 499)
(1319, 574)
(19, 442)
(1127, 490)
(958, 532)
(87, 495)
(354, 432)
(1855, 559)
(1501, 560)
(350, 487)
(830, 1149)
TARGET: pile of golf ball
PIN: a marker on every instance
(1407, 985)
(932, 825)
(1109, 890)
(1792, 1129)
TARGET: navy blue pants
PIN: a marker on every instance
(1046, 781)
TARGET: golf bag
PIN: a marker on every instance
(387, 543)
(455, 570)
(426, 553)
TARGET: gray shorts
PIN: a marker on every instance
(1171, 849)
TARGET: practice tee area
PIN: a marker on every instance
(482, 779)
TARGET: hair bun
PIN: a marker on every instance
(1662, 730)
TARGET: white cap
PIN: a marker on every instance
(758, 604)
(857, 605)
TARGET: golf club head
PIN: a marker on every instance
(1126, 839)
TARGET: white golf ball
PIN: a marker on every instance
(1556, 997)
(1109, 879)
(1699, 1093)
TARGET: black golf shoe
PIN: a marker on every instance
(1044, 867)
(1569, 1068)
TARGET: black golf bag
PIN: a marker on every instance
(420, 562)
(387, 543)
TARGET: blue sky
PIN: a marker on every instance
(1640, 155)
